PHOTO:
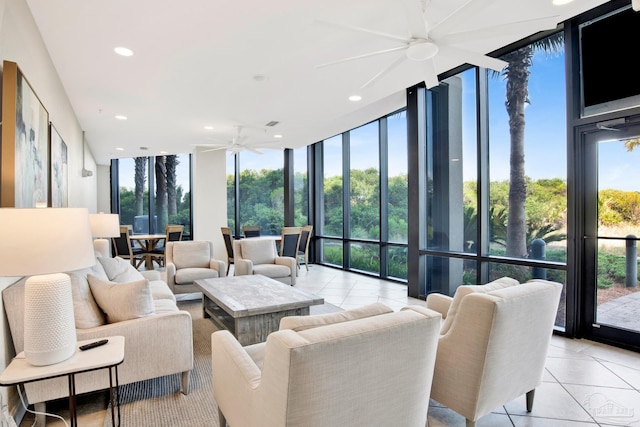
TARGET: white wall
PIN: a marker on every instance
(209, 195)
(20, 42)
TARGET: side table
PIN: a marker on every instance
(108, 356)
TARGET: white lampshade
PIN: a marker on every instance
(104, 225)
(43, 241)
(38, 242)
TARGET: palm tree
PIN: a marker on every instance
(140, 178)
(517, 74)
(171, 163)
(161, 192)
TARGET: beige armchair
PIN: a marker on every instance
(341, 369)
(493, 345)
(191, 260)
(259, 256)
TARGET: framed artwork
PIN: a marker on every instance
(59, 169)
(24, 154)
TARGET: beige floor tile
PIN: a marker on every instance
(608, 405)
(585, 372)
(551, 401)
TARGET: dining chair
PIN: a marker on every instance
(228, 243)
(124, 249)
(251, 231)
(173, 233)
(290, 241)
(303, 247)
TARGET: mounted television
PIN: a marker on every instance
(608, 50)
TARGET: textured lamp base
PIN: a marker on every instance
(49, 324)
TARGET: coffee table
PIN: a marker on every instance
(251, 306)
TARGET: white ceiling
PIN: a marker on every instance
(195, 63)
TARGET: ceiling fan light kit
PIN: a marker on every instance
(421, 50)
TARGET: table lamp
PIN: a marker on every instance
(104, 226)
(40, 243)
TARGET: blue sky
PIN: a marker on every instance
(545, 136)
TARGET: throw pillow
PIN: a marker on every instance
(120, 270)
(86, 312)
(122, 301)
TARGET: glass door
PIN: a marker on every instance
(611, 177)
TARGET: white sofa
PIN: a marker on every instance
(147, 334)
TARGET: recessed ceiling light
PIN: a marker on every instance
(355, 98)
(123, 51)
(164, 152)
(119, 149)
(277, 136)
(208, 127)
(120, 117)
(561, 2)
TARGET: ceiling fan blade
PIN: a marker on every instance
(528, 26)
(415, 10)
(364, 55)
(214, 149)
(384, 71)
(253, 150)
(473, 58)
(430, 73)
(382, 34)
(467, 12)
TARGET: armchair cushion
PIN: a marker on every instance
(188, 275)
(194, 255)
(259, 251)
(465, 290)
(300, 323)
(122, 301)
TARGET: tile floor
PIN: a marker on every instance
(585, 383)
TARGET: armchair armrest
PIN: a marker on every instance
(291, 263)
(235, 375)
(170, 270)
(243, 267)
(439, 303)
(219, 266)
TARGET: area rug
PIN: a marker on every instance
(158, 402)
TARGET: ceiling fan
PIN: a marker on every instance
(234, 146)
(426, 41)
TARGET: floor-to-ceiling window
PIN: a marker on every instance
(300, 187)
(364, 198)
(527, 215)
(168, 201)
(331, 226)
(395, 210)
(261, 192)
(231, 194)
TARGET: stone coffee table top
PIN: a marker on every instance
(242, 296)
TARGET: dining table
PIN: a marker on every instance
(148, 242)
